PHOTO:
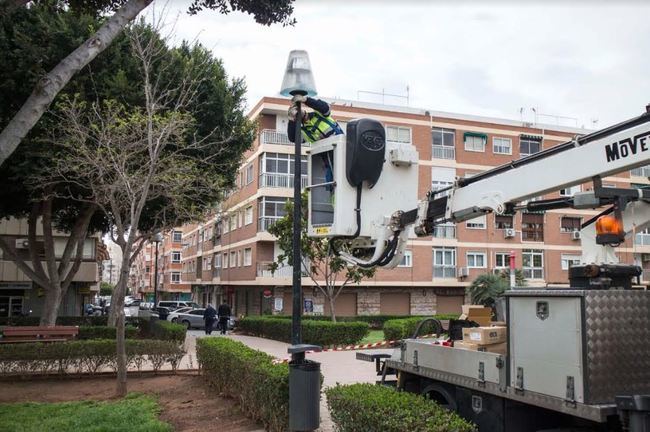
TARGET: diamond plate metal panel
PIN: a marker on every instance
(617, 338)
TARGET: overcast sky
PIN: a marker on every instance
(581, 59)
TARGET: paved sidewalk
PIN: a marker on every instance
(337, 366)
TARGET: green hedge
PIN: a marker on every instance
(376, 322)
(404, 328)
(315, 332)
(85, 356)
(249, 376)
(163, 330)
(105, 332)
(65, 320)
(370, 408)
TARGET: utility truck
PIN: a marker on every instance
(577, 358)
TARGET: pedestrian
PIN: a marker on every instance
(317, 124)
(224, 316)
(209, 316)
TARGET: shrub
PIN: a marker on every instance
(105, 332)
(65, 320)
(368, 407)
(84, 356)
(315, 332)
(163, 330)
(376, 322)
(404, 328)
(250, 376)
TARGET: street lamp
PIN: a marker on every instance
(304, 376)
(157, 238)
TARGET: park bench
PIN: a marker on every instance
(26, 334)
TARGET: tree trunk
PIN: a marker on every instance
(52, 83)
(117, 298)
(332, 311)
(53, 298)
(121, 355)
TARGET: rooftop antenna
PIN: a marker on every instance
(383, 95)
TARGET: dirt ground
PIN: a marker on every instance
(186, 401)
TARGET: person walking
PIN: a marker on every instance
(210, 316)
(317, 124)
(224, 316)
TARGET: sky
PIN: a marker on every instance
(580, 63)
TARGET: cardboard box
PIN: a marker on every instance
(499, 348)
(484, 335)
(479, 314)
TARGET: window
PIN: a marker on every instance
(502, 145)
(239, 258)
(176, 257)
(177, 236)
(503, 221)
(477, 223)
(643, 171)
(241, 179)
(502, 260)
(226, 224)
(569, 224)
(442, 178)
(269, 210)
(475, 142)
(248, 215)
(249, 173)
(407, 259)
(240, 218)
(529, 146)
(569, 261)
(248, 257)
(217, 260)
(233, 222)
(476, 260)
(532, 261)
(233, 259)
(444, 262)
(570, 191)
(398, 134)
(207, 263)
(176, 277)
(642, 238)
(281, 163)
(532, 227)
(443, 146)
(201, 236)
(224, 261)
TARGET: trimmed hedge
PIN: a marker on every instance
(376, 322)
(105, 332)
(85, 356)
(404, 328)
(249, 376)
(165, 330)
(65, 320)
(370, 408)
(314, 332)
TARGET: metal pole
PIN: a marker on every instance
(296, 336)
(155, 280)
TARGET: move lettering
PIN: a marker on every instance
(627, 147)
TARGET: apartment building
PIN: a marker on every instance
(227, 256)
(18, 294)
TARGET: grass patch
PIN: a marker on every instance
(136, 412)
(373, 336)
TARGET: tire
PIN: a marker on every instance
(441, 395)
(174, 320)
(187, 324)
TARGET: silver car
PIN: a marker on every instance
(173, 316)
(192, 319)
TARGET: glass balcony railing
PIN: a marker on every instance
(264, 223)
(444, 271)
(642, 239)
(275, 180)
(443, 152)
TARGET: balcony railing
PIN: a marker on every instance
(443, 152)
(272, 136)
(275, 180)
(642, 239)
(263, 270)
(444, 271)
(442, 231)
(264, 223)
(643, 171)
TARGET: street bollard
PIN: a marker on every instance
(304, 389)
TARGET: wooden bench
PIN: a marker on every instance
(27, 334)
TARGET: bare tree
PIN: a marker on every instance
(146, 168)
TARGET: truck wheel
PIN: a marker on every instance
(441, 396)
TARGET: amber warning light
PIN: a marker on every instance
(609, 230)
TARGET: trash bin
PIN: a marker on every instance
(304, 395)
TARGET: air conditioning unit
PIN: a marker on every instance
(509, 233)
(463, 272)
(575, 235)
(22, 243)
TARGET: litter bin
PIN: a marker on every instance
(304, 390)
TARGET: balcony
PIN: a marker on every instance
(643, 171)
(443, 231)
(443, 152)
(272, 136)
(264, 223)
(275, 180)
(444, 272)
(282, 271)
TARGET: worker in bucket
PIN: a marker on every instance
(316, 124)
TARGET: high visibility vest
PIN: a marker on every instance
(318, 127)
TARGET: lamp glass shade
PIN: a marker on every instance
(158, 237)
(298, 78)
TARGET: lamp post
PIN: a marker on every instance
(304, 376)
(157, 238)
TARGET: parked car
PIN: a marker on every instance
(173, 305)
(192, 319)
(160, 312)
(173, 316)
